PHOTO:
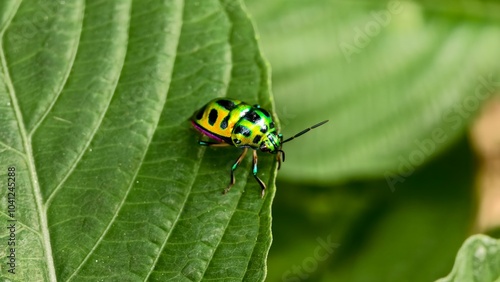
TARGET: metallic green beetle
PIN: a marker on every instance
(233, 122)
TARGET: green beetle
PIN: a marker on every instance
(232, 122)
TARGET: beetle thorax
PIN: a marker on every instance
(255, 129)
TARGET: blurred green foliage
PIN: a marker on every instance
(409, 235)
(390, 180)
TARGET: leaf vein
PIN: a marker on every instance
(22, 224)
(177, 219)
(49, 260)
(9, 148)
(120, 206)
(84, 148)
(66, 75)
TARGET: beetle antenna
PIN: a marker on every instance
(304, 131)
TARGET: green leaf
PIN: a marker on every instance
(95, 101)
(477, 260)
(399, 80)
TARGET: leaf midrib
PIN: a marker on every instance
(28, 154)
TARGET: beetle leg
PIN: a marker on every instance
(213, 144)
(254, 171)
(278, 158)
(235, 165)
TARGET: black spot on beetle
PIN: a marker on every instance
(252, 116)
(199, 114)
(225, 122)
(271, 125)
(236, 141)
(263, 129)
(266, 113)
(226, 104)
(257, 138)
(212, 117)
(242, 130)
